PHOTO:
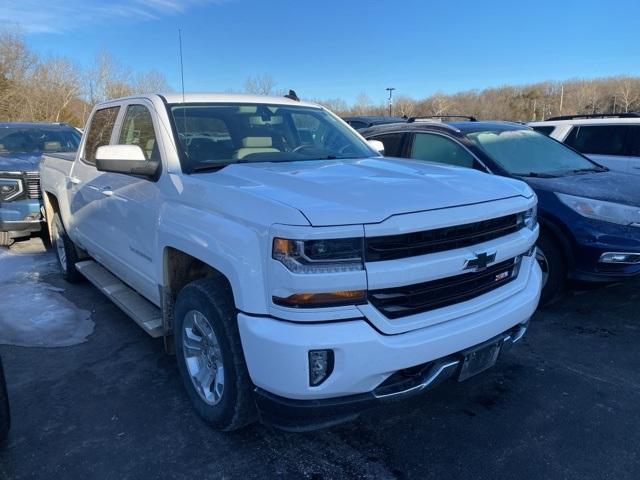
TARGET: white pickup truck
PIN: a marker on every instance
(298, 275)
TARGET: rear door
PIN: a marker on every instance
(605, 144)
(84, 185)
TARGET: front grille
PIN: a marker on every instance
(422, 297)
(32, 185)
(393, 247)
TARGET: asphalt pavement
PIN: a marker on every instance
(564, 404)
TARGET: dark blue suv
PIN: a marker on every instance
(589, 216)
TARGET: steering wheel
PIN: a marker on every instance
(300, 147)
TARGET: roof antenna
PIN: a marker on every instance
(181, 64)
(292, 95)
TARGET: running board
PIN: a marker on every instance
(142, 311)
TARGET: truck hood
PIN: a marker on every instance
(342, 192)
(19, 162)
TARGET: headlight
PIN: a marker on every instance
(319, 256)
(529, 218)
(10, 188)
(601, 210)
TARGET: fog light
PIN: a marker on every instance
(615, 257)
(320, 366)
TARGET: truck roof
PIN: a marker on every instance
(220, 98)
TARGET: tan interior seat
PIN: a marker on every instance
(52, 146)
(252, 145)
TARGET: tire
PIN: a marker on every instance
(5, 239)
(205, 307)
(65, 251)
(554, 268)
(5, 417)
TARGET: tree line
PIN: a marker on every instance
(55, 88)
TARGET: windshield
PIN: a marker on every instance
(38, 139)
(528, 153)
(215, 135)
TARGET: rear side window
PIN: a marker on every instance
(392, 143)
(99, 132)
(545, 130)
(436, 148)
(137, 129)
(633, 139)
(599, 139)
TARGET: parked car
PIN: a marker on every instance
(612, 140)
(21, 147)
(366, 121)
(310, 279)
(5, 416)
(589, 216)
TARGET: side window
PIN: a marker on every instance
(545, 130)
(633, 139)
(392, 143)
(99, 132)
(598, 139)
(137, 129)
(437, 148)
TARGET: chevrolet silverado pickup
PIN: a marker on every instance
(21, 147)
(298, 276)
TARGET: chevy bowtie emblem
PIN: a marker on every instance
(481, 262)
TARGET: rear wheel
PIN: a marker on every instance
(210, 356)
(65, 251)
(553, 266)
(5, 239)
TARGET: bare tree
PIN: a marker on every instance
(260, 85)
(404, 106)
(627, 92)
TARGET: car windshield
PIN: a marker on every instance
(38, 139)
(528, 153)
(215, 135)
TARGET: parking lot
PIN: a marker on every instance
(564, 404)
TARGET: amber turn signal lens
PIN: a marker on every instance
(332, 299)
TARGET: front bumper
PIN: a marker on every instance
(20, 217)
(595, 238)
(276, 351)
(304, 415)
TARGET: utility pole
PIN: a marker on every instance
(390, 90)
(561, 96)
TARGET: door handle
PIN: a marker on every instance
(74, 180)
(106, 191)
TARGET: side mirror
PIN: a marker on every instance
(127, 159)
(377, 145)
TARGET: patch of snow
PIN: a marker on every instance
(32, 312)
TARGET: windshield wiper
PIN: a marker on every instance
(206, 168)
(535, 175)
(590, 169)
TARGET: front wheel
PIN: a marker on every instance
(553, 266)
(209, 354)
(65, 251)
